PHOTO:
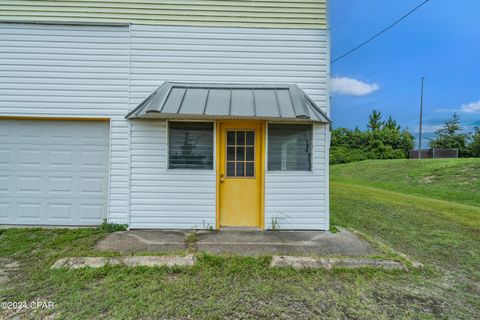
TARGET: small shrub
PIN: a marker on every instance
(342, 154)
(207, 226)
(112, 227)
(275, 224)
(333, 229)
(191, 241)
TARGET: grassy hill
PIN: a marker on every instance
(456, 180)
(428, 209)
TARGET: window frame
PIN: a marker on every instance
(167, 143)
(292, 172)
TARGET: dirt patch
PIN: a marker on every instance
(427, 179)
(7, 267)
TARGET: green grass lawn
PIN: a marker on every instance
(443, 235)
(456, 180)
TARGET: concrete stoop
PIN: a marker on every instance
(296, 249)
(247, 243)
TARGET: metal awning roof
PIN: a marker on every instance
(228, 101)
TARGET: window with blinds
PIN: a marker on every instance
(289, 147)
(190, 145)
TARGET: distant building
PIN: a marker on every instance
(434, 153)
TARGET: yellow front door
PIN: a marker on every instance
(240, 173)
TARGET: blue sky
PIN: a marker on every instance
(440, 41)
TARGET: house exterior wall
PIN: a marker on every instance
(299, 200)
(164, 198)
(223, 13)
(66, 69)
(212, 54)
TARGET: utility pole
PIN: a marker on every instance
(421, 115)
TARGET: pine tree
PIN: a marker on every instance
(449, 136)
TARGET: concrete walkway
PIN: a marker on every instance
(343, 243)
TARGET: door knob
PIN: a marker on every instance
(222, 177)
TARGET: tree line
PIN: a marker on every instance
(385, 139)
(451, 135)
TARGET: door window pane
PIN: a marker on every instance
(249, 169)
(240, 169)
(250, 136)
(240, 138)
(240, 153)
(231, 138)
(230, 153)
(249, 153)
(230, 169)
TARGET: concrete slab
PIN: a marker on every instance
(132, 261)
(343, 243)
(166, 241)
(328, 263)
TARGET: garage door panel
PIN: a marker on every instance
(5, 185)
(4, 209)
(60, 158)
(92, 186)
(91, 211)
(29, 210)
(60, 185)
(29, 184)
(29, 157)
(92, 159)
(5, 158)
(53, 172)
(60, 211)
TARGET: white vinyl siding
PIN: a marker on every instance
(76, 72)
(244, 55)
(299, 200)
(161, 197)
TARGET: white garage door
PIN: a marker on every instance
(53, 172)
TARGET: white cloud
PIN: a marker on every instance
(352, 87)
(473, 107)
(427, 128)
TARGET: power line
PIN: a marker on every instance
(378, 34)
